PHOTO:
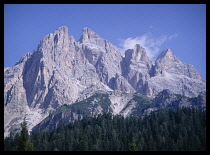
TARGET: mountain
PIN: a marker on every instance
(117, 103)
(63, 71)
(170, 73)
(120, 103)
(137, 67)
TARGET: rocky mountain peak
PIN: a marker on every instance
(62, 29)
(55, 42)
(139, 53)
(63, 71)
(167, 57)
(167, 52)
(136, 54)
(88, 36)
(164, 61)
(138, 66)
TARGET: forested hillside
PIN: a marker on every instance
(163, 130)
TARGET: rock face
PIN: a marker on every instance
(170, 73)
(64, 71)
(119, 103)
(116, 102)
(166, 99)
(137, 67)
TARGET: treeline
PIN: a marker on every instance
(165, 130)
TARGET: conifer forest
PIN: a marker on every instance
(183, 129)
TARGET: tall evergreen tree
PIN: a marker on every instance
(133, 146)
(169, 130)
(24, 143)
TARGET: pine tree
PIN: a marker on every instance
(133, 146)
(24, 143)
(102, 133)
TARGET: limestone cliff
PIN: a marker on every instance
(65, 71)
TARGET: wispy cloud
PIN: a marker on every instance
(150, 43)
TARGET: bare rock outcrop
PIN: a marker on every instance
(170, 73)
(65, 71)
(137, 67)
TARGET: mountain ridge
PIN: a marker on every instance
(64, 71)
(131, 105)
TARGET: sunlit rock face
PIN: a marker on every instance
(170, 73)
(137, 66)
(64, 71)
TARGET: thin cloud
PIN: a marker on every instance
(173, 36)
(151, 44)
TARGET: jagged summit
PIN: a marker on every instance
(91, 39)
(88, 36)
(136, 54)
(167, 52)
(167, 57)
(63, 71)
(164, 61)
(62, 28)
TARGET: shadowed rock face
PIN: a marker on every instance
(137, 66)
(102, 54)
(167, 99)
(63, 71)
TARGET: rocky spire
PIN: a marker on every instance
(170, 73)
(167, 62)
(93, 40)
(164, 61)
(55, 42)
(137, 66)
(166, 57)
(88, 35)
(138, 54)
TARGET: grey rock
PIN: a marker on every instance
(53, 120)
(115, 102)
(65, 71)
(120, 83)
(170, 73)
(56, 73)
(119, 103)
(164, 61)
(102, 54)
(137, 67)
(166, 99)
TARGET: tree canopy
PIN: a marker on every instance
(183, 129)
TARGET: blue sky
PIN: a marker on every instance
(180, 27)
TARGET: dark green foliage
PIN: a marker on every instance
(133, 146)
(141, 99)
(20, 142)
(183, 129)
(23, 141)
(84, 107)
